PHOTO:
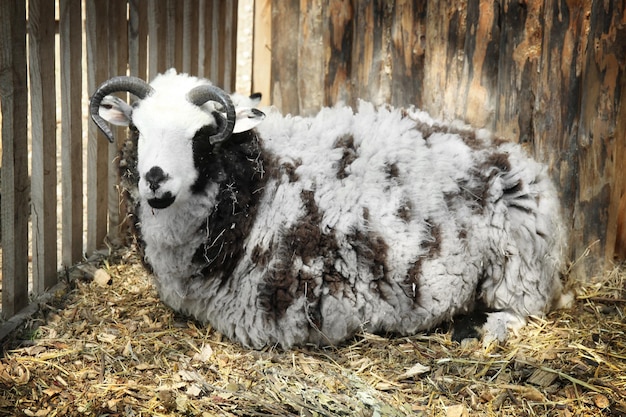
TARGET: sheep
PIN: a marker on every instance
(289, 231)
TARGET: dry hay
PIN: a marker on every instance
(115, 350)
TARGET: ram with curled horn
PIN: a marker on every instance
(307, 230)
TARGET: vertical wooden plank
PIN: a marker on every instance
(169, 40)
(133, 38)
(310, 53)
(187, 35)
(408, 52)
(138, 38)
(97, 147)
(603, 70)
(70, 31)
(143, 42)
(43, 132)
(338, 44)
(216, 35)
(446, 26)
(517, 66)
(557, 108)
(480, 69)
(234, 31)
(118, 63)
(363, 49)
(617, 212)
(372, 50)
(194, 36)
(243, 60)
(154, 53)
(202, 37)
(113, 45)
(229, 45)
(286, 22)
(15, 184)
(179, 33)
(261, 49)
(207, 46)
(161, 37)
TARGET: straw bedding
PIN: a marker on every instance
(108, 347)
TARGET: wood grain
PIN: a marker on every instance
(97, 147)
(15, 182)
(70, 31)
(43, 136)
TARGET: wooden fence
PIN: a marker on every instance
(547, 73)
(135, 37)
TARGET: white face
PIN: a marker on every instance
(167, 123)
(165, 150)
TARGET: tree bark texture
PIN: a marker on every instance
(549, 74)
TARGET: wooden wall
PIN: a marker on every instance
(547, 73)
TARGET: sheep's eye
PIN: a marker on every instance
(133, 128)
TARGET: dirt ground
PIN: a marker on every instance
(109, 347)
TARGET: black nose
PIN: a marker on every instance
(155, 177)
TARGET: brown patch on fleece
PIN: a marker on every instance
(289, 169)
(392, 171)
(305, 242)
(475, 192)
(468, 136)
(349, 155)
(405, 210)
(411, 283)
(372, 250)
(499, 160)
(260, 256)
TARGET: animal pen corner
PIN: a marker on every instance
(59, 180)
(546, 74)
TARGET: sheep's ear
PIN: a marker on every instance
(255, 99)
(115, 111)
(247, 118)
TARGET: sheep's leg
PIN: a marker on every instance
(469, 326)
(486, 324)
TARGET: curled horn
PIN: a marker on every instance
(203, 93)
(133, 85)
